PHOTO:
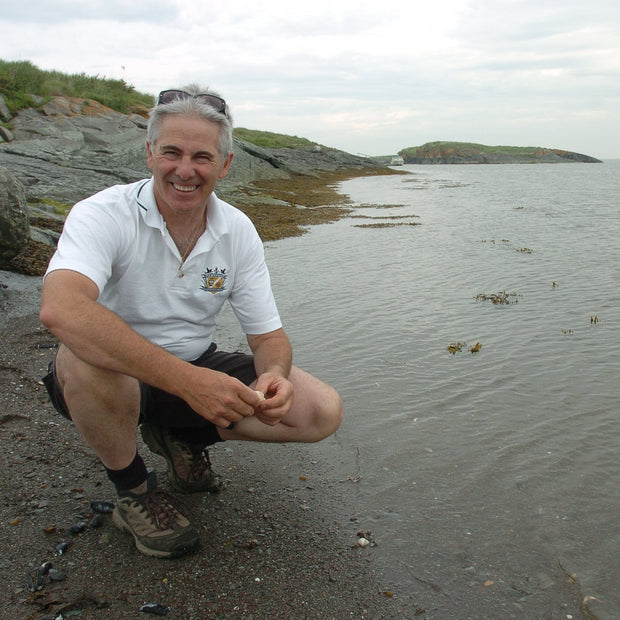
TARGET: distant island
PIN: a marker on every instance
(469, 153)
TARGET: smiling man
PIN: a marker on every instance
(132, 292)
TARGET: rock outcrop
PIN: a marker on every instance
(14, 222)
(69, 148)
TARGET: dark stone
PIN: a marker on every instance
(5, 113)
(14, 225)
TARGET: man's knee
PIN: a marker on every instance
(81, 384)
(321, 408)
(330, 413)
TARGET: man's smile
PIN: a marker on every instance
(184, 188)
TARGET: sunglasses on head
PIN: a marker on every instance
(168, 96)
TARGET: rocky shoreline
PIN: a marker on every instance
(70, 148)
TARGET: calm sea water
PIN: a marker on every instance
(484, 477)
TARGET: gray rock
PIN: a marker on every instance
(5, 113)
(69, 148)
(44, 235)
(61, 154)
(14, 225)
(5, 134)
(20, 295)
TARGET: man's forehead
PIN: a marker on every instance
(171, 121)
(183, 130)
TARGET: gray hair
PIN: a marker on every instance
(193, 108)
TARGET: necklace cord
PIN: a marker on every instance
(190, 244)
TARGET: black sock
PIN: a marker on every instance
(130, 477)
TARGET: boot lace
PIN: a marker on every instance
(160, 509)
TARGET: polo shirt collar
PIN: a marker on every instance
(145, 198)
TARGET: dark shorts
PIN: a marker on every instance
(164, 409)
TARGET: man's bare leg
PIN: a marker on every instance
(104, 408)
(316, 413)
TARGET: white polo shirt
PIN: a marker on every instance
(118, 239)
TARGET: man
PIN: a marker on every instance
(132, 292)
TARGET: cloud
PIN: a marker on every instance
(65, 11)
(360, 76)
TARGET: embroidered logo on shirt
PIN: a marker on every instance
(214, 280)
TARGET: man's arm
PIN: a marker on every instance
(99, 337)
(273, 358)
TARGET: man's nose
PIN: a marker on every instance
(185, 167)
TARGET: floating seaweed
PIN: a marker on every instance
(498, 298)
(456, 347)
(381, 217)
(386, 224)
(379, 206)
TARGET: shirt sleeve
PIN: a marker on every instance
(89, 243)
(252, 298)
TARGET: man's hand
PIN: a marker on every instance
(278, 393)
(218, 397)
(272, 360)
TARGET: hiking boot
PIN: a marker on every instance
(189, 466)
(149, 515)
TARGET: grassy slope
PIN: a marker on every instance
(21, 79)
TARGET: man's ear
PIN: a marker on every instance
(149, 154)
(226, 166)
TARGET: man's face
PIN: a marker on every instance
(186, 164)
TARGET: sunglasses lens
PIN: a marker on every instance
(168, 96)
(215, 102)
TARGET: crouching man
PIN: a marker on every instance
(132, 292)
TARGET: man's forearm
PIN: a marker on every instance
(272, 353)
(102, 339)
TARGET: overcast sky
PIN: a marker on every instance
(364, 77)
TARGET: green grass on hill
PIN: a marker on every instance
(470, 146)
(19, 79)
(271, 140)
